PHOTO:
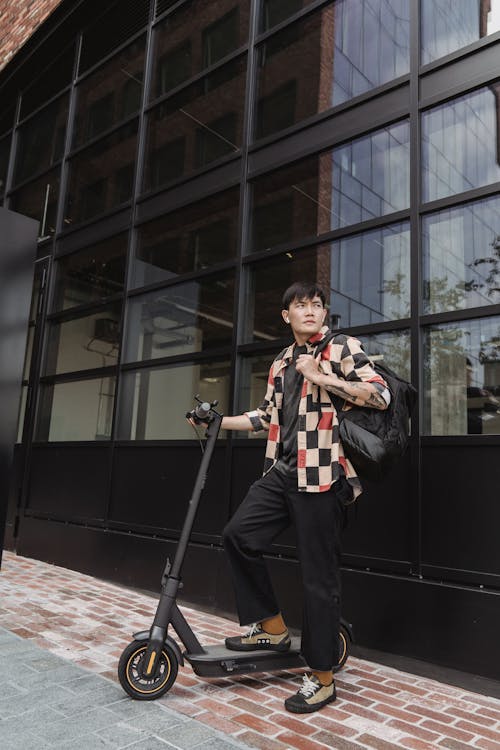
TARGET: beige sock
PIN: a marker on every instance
(326, 678)
(274, 625)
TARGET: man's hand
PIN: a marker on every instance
(308, 367)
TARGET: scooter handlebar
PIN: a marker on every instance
(202, 412)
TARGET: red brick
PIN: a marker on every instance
(491, 712)
(253, 722)
(448, 731)
(294, 725)
(378, 687)
(332, 740)
(377, 743)
(417, 731)
(219, 722)
(406, 687)
(263, 743)
(301, 743)
(366, 713)
(251, 707)
(221, 708)
(475, 717)
(397, 713)
(415, 744)
(389, 699)
(490, 734)
(450, 744)
(428, 713)
(488, 744)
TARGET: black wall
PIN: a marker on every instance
(18, 238)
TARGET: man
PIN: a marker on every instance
(306, 479)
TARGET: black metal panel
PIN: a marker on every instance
(69, 482)
(461, 512)
(225, 176)
(379, 528)
(347, 124)
(17, 255)
(452, 626)
(473, 70)
(152, 487)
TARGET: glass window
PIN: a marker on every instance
(77, 410)
(460, 144)
(110, 94)
(101, 177)
(462, 378)
(365, 178)
(196, 126)
(84, 343)
(91, 274)
(448, 25)
(391, 348)
(273, 12)
(38, 199)
(7, 118)
(191, 317)
(4, 162)
(350, 48)
(154, 402)
(53, 79)
(461, 257)
(41, 140)
(366, 276)
(195, 36)
(189, 239)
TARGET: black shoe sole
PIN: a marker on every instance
(306, 709)
(258, 647)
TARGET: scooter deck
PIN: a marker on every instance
(216, 661)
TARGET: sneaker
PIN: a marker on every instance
(258, 639)
(311, 696)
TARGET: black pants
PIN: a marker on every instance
(271, 504)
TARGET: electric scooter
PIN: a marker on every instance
(148, 666)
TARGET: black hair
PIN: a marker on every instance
(303, 290)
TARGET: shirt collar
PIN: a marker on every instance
(311, 344)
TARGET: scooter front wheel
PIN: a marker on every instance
(131, 677)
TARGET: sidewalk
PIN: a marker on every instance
(61, 634)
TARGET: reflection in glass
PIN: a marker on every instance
(197, 126)
(462, 378)
(22, 413)
(90, 274)
(273, 12)
(101, 176)
(154, 402)
(41, 140)
(461, 257)
(110, 94)
(84, 343)
(448, 25)
(350, 48)
(78, 410)
(190, 317)
(38, 199)
(195, 36)
(190, 239)
(254, 373)
(392, 349)
(367, 277)
(365, 178)
(460, 144)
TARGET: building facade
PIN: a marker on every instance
(186, 162)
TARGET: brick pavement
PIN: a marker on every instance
(88, 622)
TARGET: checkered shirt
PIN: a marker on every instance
(320, 455)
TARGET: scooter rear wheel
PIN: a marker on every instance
(130, 672)
(344, 642)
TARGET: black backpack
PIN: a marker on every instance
(374, 440)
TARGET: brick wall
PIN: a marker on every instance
(18, 20)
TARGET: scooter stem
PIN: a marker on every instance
(171, 583)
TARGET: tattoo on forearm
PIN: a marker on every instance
(366, 397)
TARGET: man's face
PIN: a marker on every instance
(306, 316)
